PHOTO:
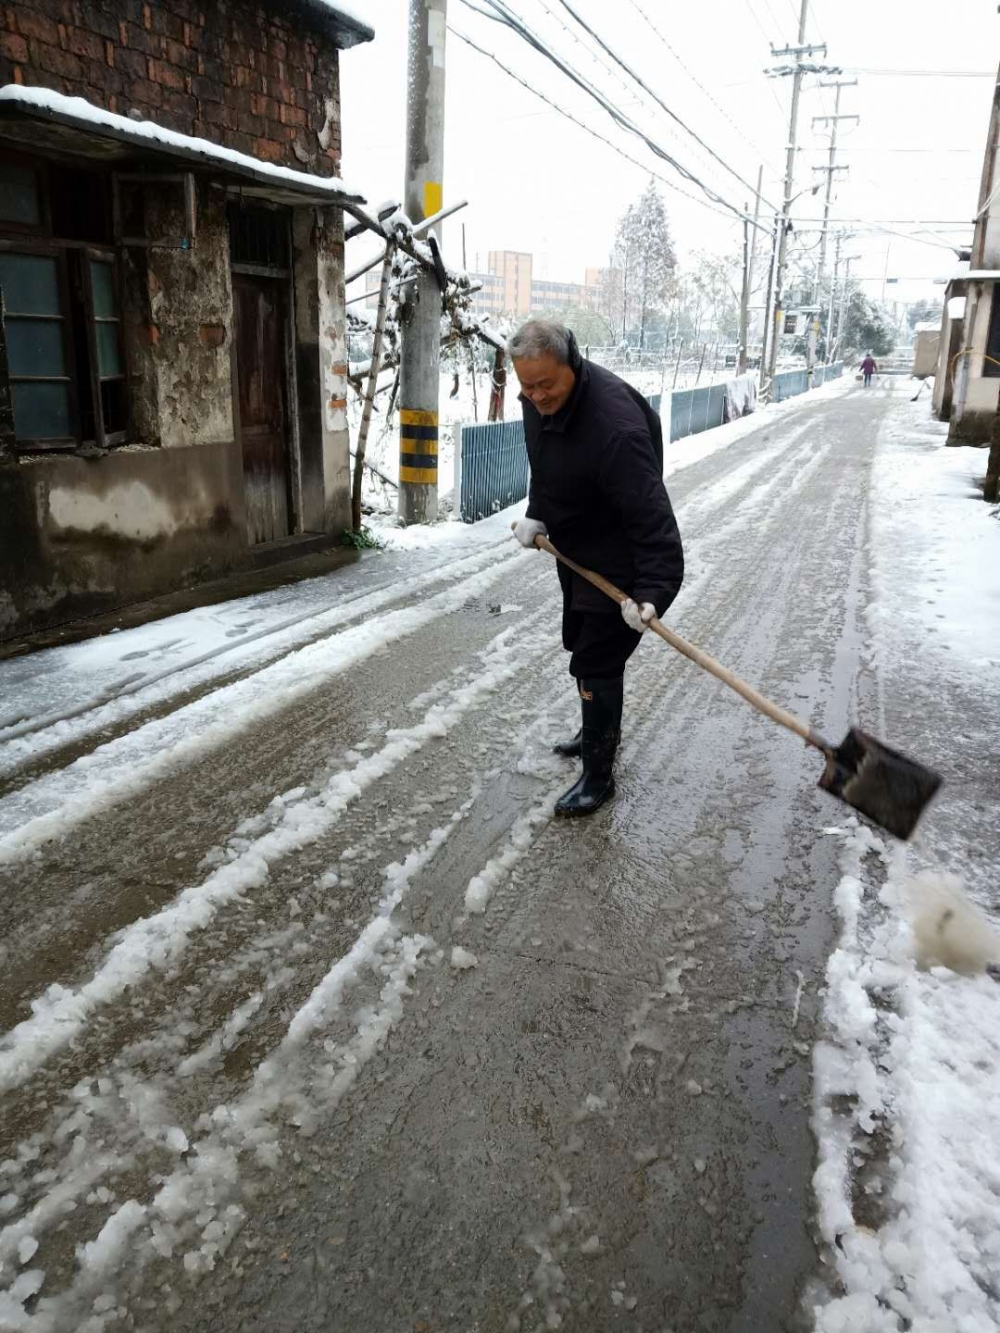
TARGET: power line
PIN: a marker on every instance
(650, 100)
(763, 33)
(903, 222)
(696, 81)
(976, 151)
(927, 73)
(632, 74)
(593, 54)
(518, 26)
(671, 185)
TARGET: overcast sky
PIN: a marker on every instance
(537, 182)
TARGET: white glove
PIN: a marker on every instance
(527, 529)
(637, 617)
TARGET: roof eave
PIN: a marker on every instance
(92, 138)
(345, 28)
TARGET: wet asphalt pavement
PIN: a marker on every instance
(598, 1120)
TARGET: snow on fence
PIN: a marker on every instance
(491, 461)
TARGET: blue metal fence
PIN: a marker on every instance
(494, 468)
(492, 462)
(791, 382)
(695, 410)
(787, 384)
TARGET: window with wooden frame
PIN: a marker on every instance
(61, 292)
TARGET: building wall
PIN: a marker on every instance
(514, 267)
(975, 395)
(188, 389)
(334, 441)
(925, 357)
(79, 535)
(232, 71)
(84, 535)
(562, 295)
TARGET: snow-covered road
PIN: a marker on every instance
(314, 1018)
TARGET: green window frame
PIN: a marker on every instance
(107, 352)
(62, 312)
(39, 350)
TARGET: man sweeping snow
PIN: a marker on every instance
(596, 453)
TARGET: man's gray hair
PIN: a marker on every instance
(538, 337)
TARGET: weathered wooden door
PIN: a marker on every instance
(262, 398)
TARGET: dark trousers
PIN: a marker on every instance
(594, 634)
(599, 643)
(868, 379)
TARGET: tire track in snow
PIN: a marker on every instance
(138, 701)
(122, 768)
(156, 942)
(280, 1081)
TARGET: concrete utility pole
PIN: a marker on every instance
(799, 51)
(845, 296)
(768, 294)
(831, 168)
(748, 252)
(420, 359)
(833, 297)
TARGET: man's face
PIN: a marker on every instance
(545, 382)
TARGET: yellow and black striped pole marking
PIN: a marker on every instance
(418, 447)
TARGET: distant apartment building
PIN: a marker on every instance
(563, 296)
(514, 269)
(510, 288)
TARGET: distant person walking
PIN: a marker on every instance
(868, 369)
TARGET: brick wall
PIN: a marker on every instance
(255, 77)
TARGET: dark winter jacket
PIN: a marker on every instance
(597, 485)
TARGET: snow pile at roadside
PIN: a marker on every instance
(938, 578)
(907, 1083)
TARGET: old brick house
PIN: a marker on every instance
(173, 384)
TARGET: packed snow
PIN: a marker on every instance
(908, 1080)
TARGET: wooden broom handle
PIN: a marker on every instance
(709, 664)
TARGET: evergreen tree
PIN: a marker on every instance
(644, 253)
(867, 328)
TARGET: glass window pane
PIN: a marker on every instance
(35, 347)
(109, 357)
(102, 277)
(19, 196)
(41, 411)
(30, 284)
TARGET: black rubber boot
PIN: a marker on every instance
(601, 703)
(570, 749)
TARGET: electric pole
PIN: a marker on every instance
(799, 51)
(845, 296)
(833, 297)
(420, 358)
(831, 168)
(748, 254)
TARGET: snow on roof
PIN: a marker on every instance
(343, 22)
(77, 111)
